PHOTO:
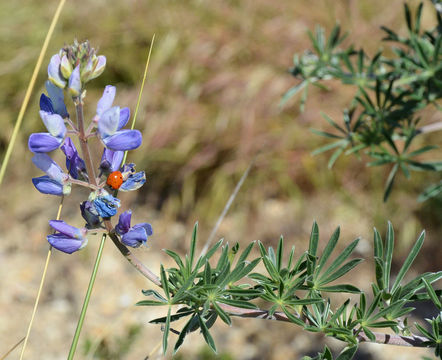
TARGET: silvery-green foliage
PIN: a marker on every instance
(296, 288)
(382, 119)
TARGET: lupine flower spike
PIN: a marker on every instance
(70, 70)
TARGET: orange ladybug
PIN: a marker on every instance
(115, 179)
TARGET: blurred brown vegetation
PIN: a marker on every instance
(217, 74)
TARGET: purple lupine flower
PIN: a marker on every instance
(54, 73)
(46, 104)
(123, 140)
(132, 180)
(43, 143)
(123, 225)
(74, 163)
(67, 238)
(90, 214)
(46, 185)
(111, 160)
(46, 142)
(105, 103)
(111, 120)
(74, 85)
(106, 100)
(106, 205)
(56, 97)
(56, 182)
(132, 236)
(108, 122)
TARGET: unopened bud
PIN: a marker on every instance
(65, 67)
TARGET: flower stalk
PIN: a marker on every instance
(87, 299)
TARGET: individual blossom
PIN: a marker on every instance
(111, 160)
(55, 182)
(46, 142)
(67, 238)
(132, 180)
(74, 84)
(105, 204)
(134, 236)
(74, 163)
(54, 103)
(93, 68)
(90, 214)
(110, 120)
(54, 72)
(65, 67)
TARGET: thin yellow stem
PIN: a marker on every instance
(154, 351)
(25, 102)
(12, 349)
(141, 91)
(43, 277)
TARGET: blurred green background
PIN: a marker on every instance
(218, 71)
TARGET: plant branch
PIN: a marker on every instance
(437, 126)
(137, 264)
(381, 338)
(83, 183)
(83, 142)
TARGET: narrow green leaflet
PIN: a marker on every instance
(166, 331)
(408, 261)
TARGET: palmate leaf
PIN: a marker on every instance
(341, 258)
(314, 240)
(206, 334)
(193, 245)
(416, 284)
(348, 353)
(408, 261)
(164, 282)
(335, 156)
(340, 143)
(328, 250)
(154, 294)
(166, 331)
(325, 134)
(150, 303)
(222, 314)
(340, 272)
(183, 333)
(432, 294)
(175, 257)
(180, 313)
(292, 92)
(206, 289)
(319, 274)
(389, 246)
(344, 288)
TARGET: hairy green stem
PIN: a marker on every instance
(380, 338)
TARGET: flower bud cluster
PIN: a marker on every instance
(69, 70)
(74, 66)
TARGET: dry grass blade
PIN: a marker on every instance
(12, 349)
(227, 207)
(31, 84)
(43, 277)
